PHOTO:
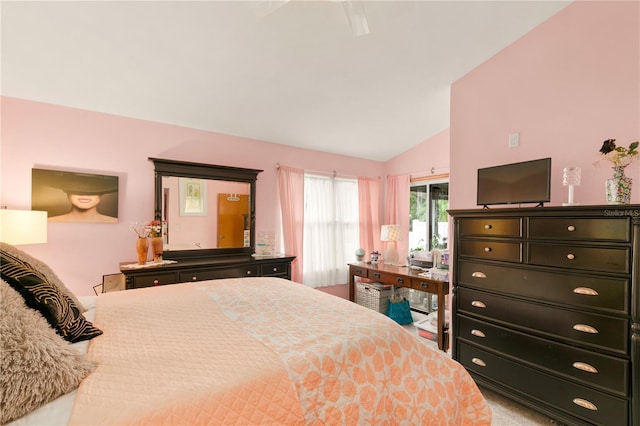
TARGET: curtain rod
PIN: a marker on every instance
(430, 175)
(333, 173)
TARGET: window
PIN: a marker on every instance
(429, 220)
(331, 232)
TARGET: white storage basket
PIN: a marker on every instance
(376, 295)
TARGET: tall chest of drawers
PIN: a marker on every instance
(546, 308)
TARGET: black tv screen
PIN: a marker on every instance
(516, 183)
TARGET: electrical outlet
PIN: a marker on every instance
(514, 140)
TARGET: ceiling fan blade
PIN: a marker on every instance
(356, 17)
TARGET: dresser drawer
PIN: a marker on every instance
(489, 226)
(214, 274)
(585, 403)
(609, 373)
(580, 229)
(605, 293)
(491, 250)
(608, 333)
(390, 278)
(602, 259)
(148, 280)
(276, 269)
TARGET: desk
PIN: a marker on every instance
(402, 276)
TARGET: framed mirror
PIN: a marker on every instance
(206, 210)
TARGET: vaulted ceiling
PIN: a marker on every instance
(295, 76)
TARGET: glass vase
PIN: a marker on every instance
(618, 187)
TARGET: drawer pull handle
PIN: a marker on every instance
(479, 275)
(477, 333)
(275, 269)
(586, 291)
(571, 228)
(400, 280)
(585, 367)
(248, 272)
(585, 328)
(478, 361)
(478, 304)
(571, 256)
(487, 249)
(585, 404)
(376, 275)
(156, 282)
(487, 227)
(194, 278)
(424, 284)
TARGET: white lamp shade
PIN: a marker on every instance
(390, 233)
(23, 227)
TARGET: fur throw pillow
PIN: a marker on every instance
(44, 270)
(37, 365)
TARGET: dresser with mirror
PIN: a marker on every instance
(208, 214)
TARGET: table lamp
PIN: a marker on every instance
(390, 234)
(19, 227)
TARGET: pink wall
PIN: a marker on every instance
(566, 86)
(48, 136)
(418, 161)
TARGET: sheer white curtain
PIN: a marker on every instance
(331, 233)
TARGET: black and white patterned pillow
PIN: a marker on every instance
(55, 306)
(43, 269)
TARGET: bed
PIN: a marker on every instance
(252, 351)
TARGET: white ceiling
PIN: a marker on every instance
(296, 76)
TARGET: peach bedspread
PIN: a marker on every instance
(264, 351)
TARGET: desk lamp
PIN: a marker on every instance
(390, 234)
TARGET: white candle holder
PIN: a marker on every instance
(571, 178)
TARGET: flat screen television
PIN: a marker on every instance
(516, 183)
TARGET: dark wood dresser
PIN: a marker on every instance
(207, 269)
(546, 308)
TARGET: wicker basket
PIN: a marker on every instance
(376, 295)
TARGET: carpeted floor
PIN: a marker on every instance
(505, 411)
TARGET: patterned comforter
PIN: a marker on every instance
(264, 351)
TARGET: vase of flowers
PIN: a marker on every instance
(142, 242)
(142, 248)
(157, 241)
(618, 187)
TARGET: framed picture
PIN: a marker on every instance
(75, 197)
(112, 282)
(193, 197)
